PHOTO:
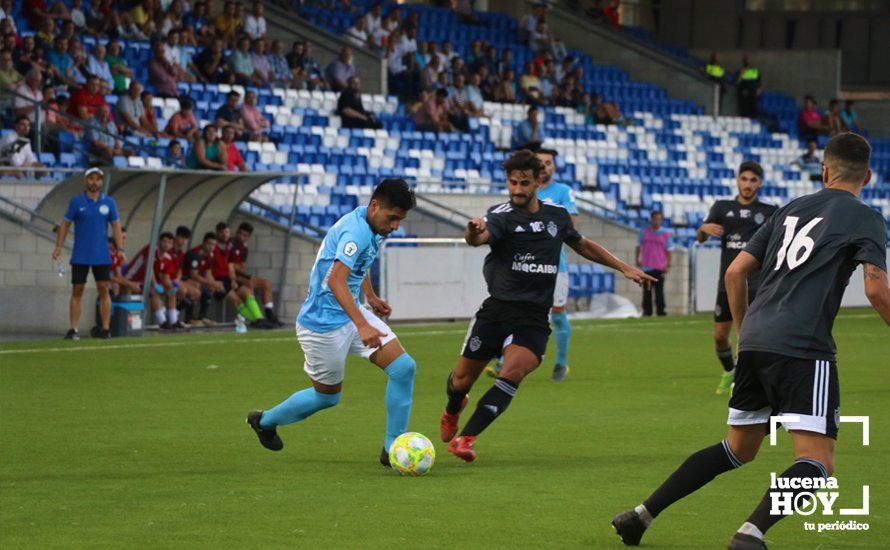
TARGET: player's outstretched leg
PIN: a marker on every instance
(298, 406)
(696, 472)
(457, 387)
(562, 331)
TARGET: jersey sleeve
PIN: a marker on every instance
(349, 247)
(572, 235)
(758, 243)
(496, 223)
(715, 214)
(71, 212)
(112, 211)
(569, 201)
(870, 242)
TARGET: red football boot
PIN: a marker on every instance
(448, 425)
(462, 448)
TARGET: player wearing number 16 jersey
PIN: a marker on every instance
(806, 252)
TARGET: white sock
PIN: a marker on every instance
(644, 515)
(173, 315)
(160, 316)
(751, 529)
(269, 305)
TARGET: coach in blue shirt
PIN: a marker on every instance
(90, 212)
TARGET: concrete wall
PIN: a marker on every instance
(794, 72)
(874, 116)
(609, 47)
(27, 193)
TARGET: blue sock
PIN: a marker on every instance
(563, 332)
(399, 393)
(298, 406)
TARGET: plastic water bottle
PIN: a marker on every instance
(60, 268)
(240, 324)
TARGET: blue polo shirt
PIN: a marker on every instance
(91, 219)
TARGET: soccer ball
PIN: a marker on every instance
(412, 454)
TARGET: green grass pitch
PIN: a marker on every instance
(144, 445)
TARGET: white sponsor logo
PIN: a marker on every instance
(350, 249)
(103, 209)
(552, 229)
(736, 245)
(519, 229)
(547, 269)
(745, 213)
(527, 257)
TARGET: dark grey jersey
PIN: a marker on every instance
(808, 250)
(525, 250)
(740, 222)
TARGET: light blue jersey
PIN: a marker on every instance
(561, 194)
(351, 242)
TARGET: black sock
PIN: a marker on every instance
(455, 398)
(692, 475)
(186, 307)
(804, 467)
(205, 304)
(493, 403)
(725, 357)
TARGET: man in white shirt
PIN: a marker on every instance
(15, 148)
(33, 94)
(255, 23)
(357, 34)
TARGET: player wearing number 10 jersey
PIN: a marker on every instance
(807, 252)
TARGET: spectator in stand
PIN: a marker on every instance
(175, 156)
(432, 116)
(351, 110)
(529, 130)
(447, 54)
(15, 148)
(79, 67)
(457, 67)
(407, 42)
(230, 114)
(119, 70)
(421, 55)
(103, 19)
(62, 64)
(340, 70)
(530, 85)
(653, 255)
(46, 35)
(86, 101)
(430, 74)
(32, 94)
(183, 124)
(9, 77)
(809, 120)
(460, 109)
(474, 95)
(356, 34)
(505, 64)
(196, 20)
(53, 122)
(177, 55)
(750, 88)
(143, 17)
(281, 73)
(97, 66)
(255, 23)
(102, 139)
(465, 11)
(175, 20)
(226, 23)
(506, 90)
(129, 111)
(487, 83)
(849, 117)
(563, 68)
(26, 57)
(36, 11)
(209, 152)
(810, 163)
(241, 64)
(162, 74)
(210, 66)
(260, 60)
(305, 67)
(540, 39)
(606, 113)
(255, 123)
(149, 119)
(412, 22)
(391, 22)
(233, 154)
(529, 23)
(476, 56)
(546, 84)
(833, 120)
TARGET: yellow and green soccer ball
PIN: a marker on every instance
(412, 454)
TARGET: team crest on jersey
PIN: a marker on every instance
(759, 218)
(475, 343)
(103, 209)
(350, 249)
(552, 229)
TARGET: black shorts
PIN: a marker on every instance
(768, 384)
(498, 324)
(227, 284)
(79, 273)
(722, 313)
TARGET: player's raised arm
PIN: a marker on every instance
(877, 290)
(369, 335)
(477, 232)
(598, 254)
(737, 284)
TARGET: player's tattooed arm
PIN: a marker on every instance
(598, 254)
(877, 290)
(476, 233)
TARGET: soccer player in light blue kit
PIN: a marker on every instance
(332, 323)
(561, 194)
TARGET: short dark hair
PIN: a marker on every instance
(545, 151)
(185, 103)
(656, 213)
(810, 98)
(246, 227)
(441, 92)
(751, 166)
(165, 235)
(221, 225)
(21, 118)
(183, 231)
(833, 102)
(233, 93)
(145, 94)
(847, 156)
(523, 160)
(209, 236)
(395, 193)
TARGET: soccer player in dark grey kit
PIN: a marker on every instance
(526, 237)
(734, 222)
(807, 252)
